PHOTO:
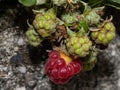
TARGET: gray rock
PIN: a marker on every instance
(22, 69)
(20, 88)
(31, 84)
(16, 59)
(20, 41)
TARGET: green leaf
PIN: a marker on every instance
(95, 3)
(83, 24)
(113, 3)
(27, 3)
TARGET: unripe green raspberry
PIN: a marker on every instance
(78, 46)
(33, 37)
(94, 34)
(109, 26)
(50, 14)
(46, 23)
(39, 21)
(92, 17)
(105, 34)
(110, 36)
(101, 36)
(70, 18)
(89, 62)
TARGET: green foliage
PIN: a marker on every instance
(27, 3)
(113, 3)
(95, 3)
(83, 24)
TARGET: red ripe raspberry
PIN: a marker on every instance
(60, 68)
(54, 54)
(77, 64)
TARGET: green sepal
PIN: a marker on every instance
(70, 32)
(81, 32)
(87, 8)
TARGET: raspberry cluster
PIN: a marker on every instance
(76, 29)
(60, 68)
